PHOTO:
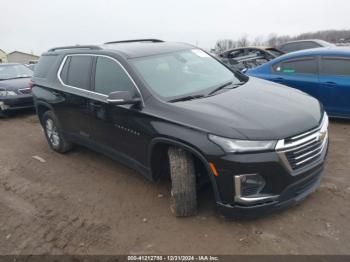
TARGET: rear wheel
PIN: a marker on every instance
(53, 134)
(183, 200)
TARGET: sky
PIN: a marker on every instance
(36, 25)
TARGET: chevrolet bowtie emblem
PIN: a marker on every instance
(322, 136)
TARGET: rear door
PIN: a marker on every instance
(335, 84)
(72, 99)
(300, 73)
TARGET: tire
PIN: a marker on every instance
(183, 199)
(53, 133)
(3, 114)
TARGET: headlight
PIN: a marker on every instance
(233, 145)
(7, 93)
(324, 126)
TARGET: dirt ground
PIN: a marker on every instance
(85, 203)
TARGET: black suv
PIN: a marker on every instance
(172, 109)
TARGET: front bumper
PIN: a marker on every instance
(290, 196)
(9, 103)
(288, 188)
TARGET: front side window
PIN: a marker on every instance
(76, 71)
(13, 71)
(183, 73)
(111, 77)
(335, 66)
(297, 66)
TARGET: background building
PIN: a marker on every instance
(2, 56)
(21, 57)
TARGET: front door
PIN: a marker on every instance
(117, 129)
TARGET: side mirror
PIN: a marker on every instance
(122, 98)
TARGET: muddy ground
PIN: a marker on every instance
(85, 203)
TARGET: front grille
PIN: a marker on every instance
(305, 149)
(25, 91)
(305, 153)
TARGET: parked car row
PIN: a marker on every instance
(244, 58)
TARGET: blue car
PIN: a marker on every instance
(323, 73)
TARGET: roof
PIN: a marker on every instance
(140, 49)
(2, 51)
(22, 53)
(341, 50)
(132, 49)
(320, 41)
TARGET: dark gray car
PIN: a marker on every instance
(303, 44)
(15, 91)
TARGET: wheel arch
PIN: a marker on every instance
(41, 107)
(158, 149)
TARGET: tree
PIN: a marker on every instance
(243, 41)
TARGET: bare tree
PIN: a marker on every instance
(243, 41)
(258, 41)
(333, 36)
(272, 40)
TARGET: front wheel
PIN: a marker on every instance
(183, 200)
(53, 134)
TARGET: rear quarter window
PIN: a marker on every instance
(337, 66)
(76, 71)
(44, 65)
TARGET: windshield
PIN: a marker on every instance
(14, 71)
(183, 73)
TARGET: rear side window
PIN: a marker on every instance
(335, 66)
(298, 46)
(297, 66)
(44, 65)
(111, 77)
(289, 47)
(76, 71)
(307, 45)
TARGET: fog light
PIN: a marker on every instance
(251, 184)
(248, 188)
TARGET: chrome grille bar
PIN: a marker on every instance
(304, 149)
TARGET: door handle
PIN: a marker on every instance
(330, 84)
(278, 79)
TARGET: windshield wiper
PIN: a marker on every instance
(224, 86)
(186, 98)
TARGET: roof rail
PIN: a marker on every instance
(92, 47)
(136, 40)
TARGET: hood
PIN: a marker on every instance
(14, 84)
(257, 110)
